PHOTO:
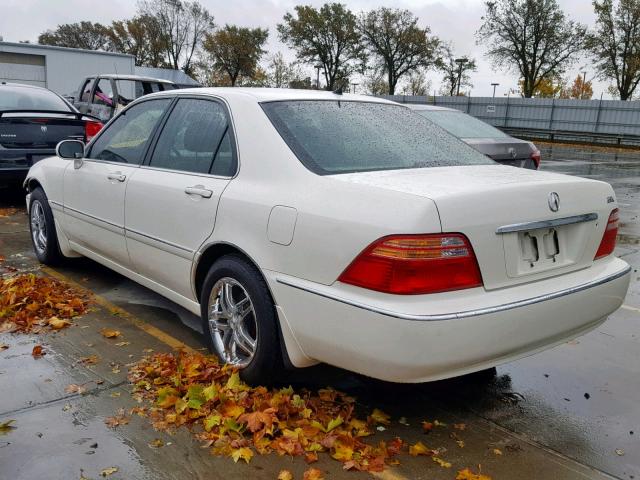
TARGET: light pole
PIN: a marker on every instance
(460, 62)
(318, 67)
(494, 85)
(584, 81)
(354, 85)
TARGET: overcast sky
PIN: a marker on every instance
(451, 20)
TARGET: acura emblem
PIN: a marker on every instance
(554, 201)
(43, 128)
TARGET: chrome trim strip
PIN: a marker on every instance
(163, 242)
(467, 313)
(520, 227)
(97, 221)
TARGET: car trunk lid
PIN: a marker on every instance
(480, 201)
(33, 130)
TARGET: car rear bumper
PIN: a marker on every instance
(15, 163)
(430, 337)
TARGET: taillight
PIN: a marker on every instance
(91, 129)
(608, 243)
(415, 264)
(536, 157)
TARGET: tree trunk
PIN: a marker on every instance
(391, 82)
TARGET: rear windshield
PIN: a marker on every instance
(24, 98)
(462, 125)
(331, 137)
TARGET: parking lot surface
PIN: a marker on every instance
(572, 412)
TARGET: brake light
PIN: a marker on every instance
(415, 264)
(608, 243)
(536, 157)
(91, 129)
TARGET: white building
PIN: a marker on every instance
(57, 68)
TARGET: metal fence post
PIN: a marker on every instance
(553, 105)
(598, 115)
(506, 114)
(469, 103)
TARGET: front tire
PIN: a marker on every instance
(43, 229)
(239, 319)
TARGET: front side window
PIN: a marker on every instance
(125, 140)
(462, 125)
(331, 137)
(103, 94)
(195, 139)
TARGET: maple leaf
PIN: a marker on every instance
(210, 392)
(420, 449)
(73, 388)
(212, 421)
(313, 474)
(379, 417)
(57, 323)
(37, 351)
(243, 453)
(119, 419)
(6, 427)
(342, 450)
(108, 471)
(232, 409)
(109, 333)
(259, 420)
(90, 360)
(285, 475)
(467, 474)
(441, 462)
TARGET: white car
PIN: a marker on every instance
(307, 227)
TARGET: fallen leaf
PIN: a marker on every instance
(108, 471)
(115, 394)
(285, 475)
(6, 427)
(441, 462)
(619, 452)
(3, 346)
(313, 474)
(57, 323)
(157, 443)
(467, 474)
(427, 426)
(403, 421)
(460, 426)
(496, 451)
(73, 388)
(460, 443)
(378, 416)
(243, 453)
(90, 360)
(109, 333)
(37, 351)
(122, 344)
(420, 449)
(118, 419)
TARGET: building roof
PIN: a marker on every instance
(175, 76)
(67, 49)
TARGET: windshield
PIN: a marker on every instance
(24, 98)
(462, 125)
(331, 137)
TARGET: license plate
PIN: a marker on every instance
(539, 247)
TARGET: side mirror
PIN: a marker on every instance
(72, 150)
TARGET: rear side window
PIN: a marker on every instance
(125, 140)
(195, 139)
(331, 137)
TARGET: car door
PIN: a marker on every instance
(94, 193)
(84, 95)
(103, 100)
(172, 199)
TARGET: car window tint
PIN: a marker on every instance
(462, 125)
(28, 98)
(347, 136)
(103, 94)
(224, 164)
(190, 138)
(125, 140)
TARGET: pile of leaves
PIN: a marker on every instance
(30, 303)
(238, 421)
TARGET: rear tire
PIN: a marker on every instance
(239, 319)
(43, 229)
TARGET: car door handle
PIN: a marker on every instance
(198, 190)
(117, 176)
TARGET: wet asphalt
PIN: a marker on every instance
(572, 412)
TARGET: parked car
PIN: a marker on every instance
(105, 95)
(308, 226)
(32, 122)
(485, 138)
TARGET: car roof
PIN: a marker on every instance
(273, 94)
(116, 76)
(431, 108)
(23, 85)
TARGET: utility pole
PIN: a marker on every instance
(584, 81)
(494, 85)
(318, 67)
(460, 62)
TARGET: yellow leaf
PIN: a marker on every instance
(212, 421)
(108, 471)
(467, 474)
(378, 416)
(313, 474)
(419, 449)
(181, 405)
(6, 427)
(243, 453)
(342, 451)
(57, 323)
(285, 475)
(497, 451)
(234, 381)
(110, 333)
(441, 462)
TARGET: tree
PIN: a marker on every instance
(375, 83)
(236, 50)
(532, 37)
(396, 42)
(328, 36)
(141, 37)
(615, 44)
(417, 84)
(580, 89)
(548, 87)
(182, 26)
(86, 35)
(280, 73)
(456, 74)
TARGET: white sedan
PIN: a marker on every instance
(308, 226)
